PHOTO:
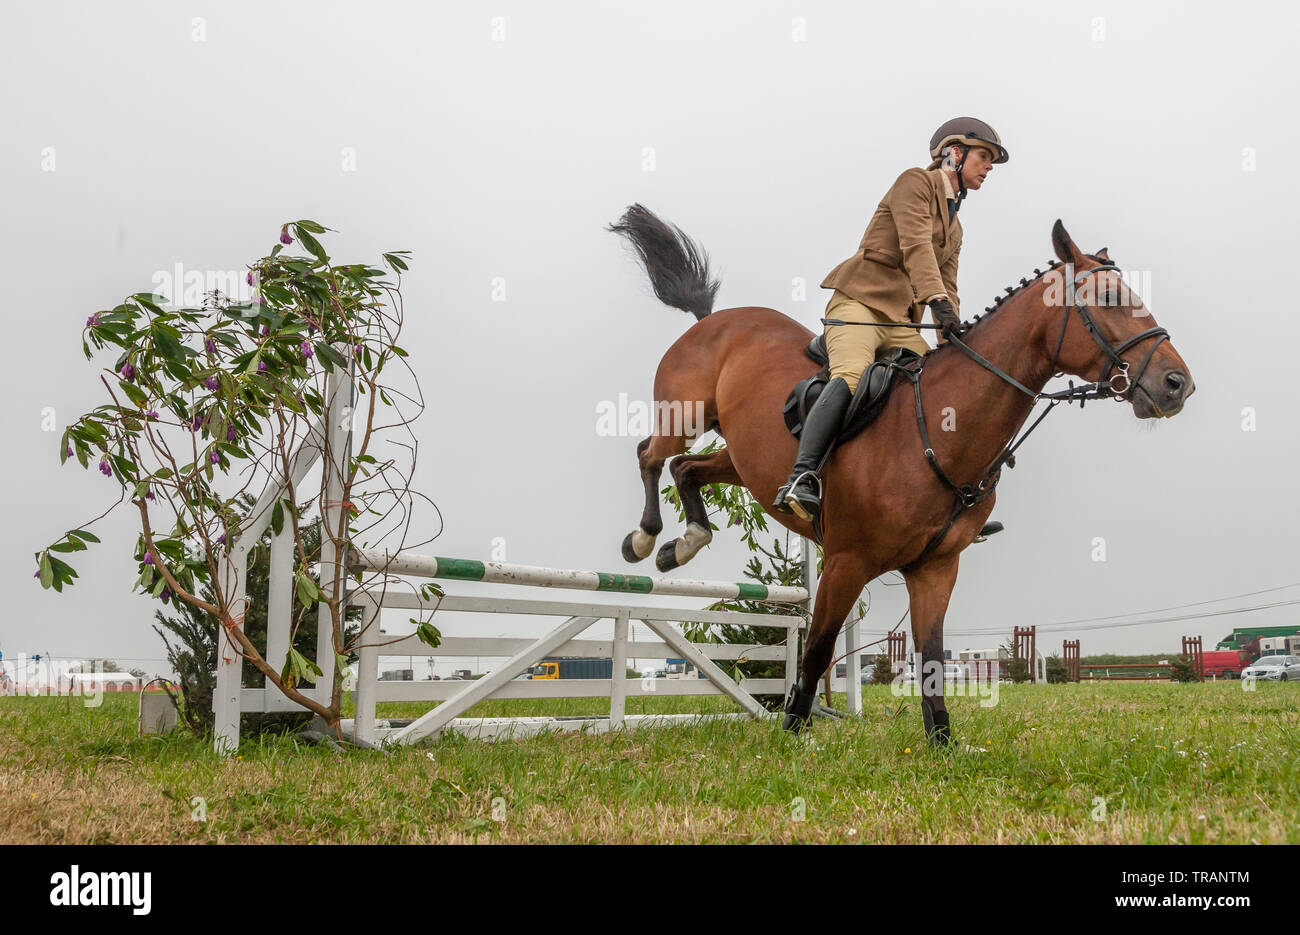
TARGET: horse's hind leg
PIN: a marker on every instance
(691, 472)
(843, 577)
(651, 455)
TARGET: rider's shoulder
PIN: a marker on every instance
(915, 178)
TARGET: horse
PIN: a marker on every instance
(896, 496)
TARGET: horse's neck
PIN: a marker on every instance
(986, 410)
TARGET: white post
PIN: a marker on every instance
(618, 676)
(230, 664)
(852, 669)
(338, 435)
(363, 723)
(279, 604)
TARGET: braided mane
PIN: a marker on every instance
(1024, 282)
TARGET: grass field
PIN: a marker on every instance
(1173, 763)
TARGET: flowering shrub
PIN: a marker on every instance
(202, 399)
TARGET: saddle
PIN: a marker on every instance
(869, 398)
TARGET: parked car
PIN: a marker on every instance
(951, 672)
(1275, 668)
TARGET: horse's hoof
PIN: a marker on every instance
(639, 544)
(629, 553)
(938, 729)
(798, 708)
(666, 558)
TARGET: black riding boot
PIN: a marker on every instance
(802, 493)
(798, 707)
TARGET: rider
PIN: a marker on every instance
(906, 261)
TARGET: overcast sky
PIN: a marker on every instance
(496, 140)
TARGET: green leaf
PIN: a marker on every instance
(429, 635)
(167, 343)
(47, 570)
(308, 592)
(328, 353)
(298, 668)
(312, 226)
(312, 244)
(150, 301)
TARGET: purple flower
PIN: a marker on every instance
(195, 423)
(128, 372)
(231, 434)
(338, 308)
(166, 595)
(305, 347)
(148, 558)
(356, 351)
(311, 326)
(259, 300)
(249, 278)
(210, 345)
(284, 235)
(261, 366)
(69, 451)
(221, 539)
(149, 414)
(212, 383)
(104, 468)
(266, 329)
(334, 287)
(148, 495)
(214, 457)
(93, 320)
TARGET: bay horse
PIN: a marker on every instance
(899, 496)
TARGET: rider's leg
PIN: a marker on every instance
(900, 337)
(850, 348)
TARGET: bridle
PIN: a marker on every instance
(1111, 351)
(1118, 387)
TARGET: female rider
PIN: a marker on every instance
(907, 260)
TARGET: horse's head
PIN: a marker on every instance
(1104, 332)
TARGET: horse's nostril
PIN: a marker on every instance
(1176, 381)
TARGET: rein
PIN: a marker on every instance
(1119, 387)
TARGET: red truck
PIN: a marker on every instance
(1225, 664)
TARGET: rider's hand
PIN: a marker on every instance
(944, 316)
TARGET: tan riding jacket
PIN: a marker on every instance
(909, 252)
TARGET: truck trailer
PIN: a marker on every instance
(573, 667)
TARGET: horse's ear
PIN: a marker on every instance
(1065, 249)
(1102, 255)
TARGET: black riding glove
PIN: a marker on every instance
(944, 316)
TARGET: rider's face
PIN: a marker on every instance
(979, 163)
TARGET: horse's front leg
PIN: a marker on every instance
(929, 588)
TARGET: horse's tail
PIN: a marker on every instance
(678, 268)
